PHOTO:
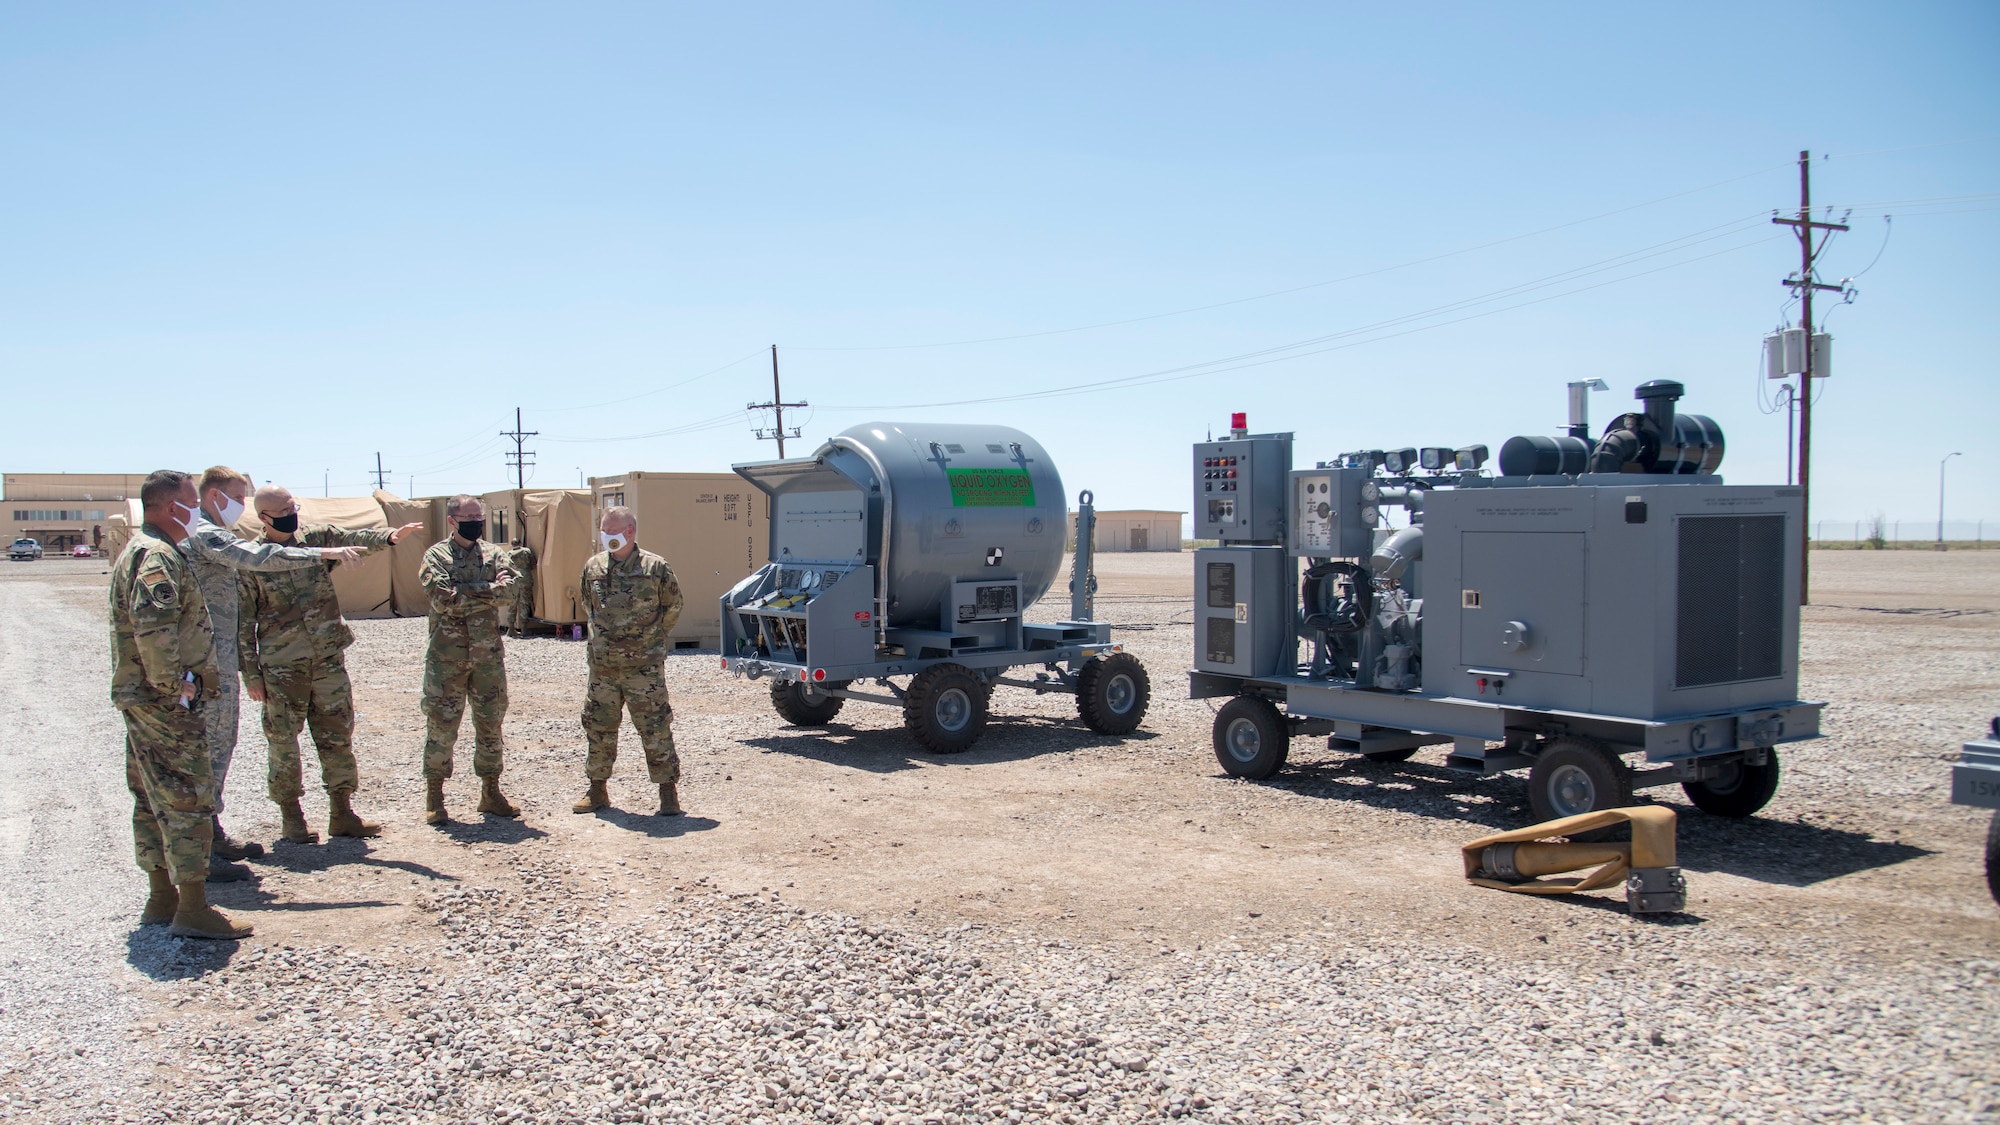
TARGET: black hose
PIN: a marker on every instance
(1616, 449)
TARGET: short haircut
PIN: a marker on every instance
(161, 486)
(622, 514)
(457, 503)
(220, 476)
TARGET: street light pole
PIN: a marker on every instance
(1941, 464)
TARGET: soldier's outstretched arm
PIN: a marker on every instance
(240, 554)
(367, 538)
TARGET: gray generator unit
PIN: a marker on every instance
(916, 550)
(1598, 603)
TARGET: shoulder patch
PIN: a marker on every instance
(159, 587)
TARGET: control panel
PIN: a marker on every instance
(1239, 487)
(1330, 516)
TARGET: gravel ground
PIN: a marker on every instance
(1052, 927)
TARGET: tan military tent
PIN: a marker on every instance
(120, 524)
(559, 526)
(365, 588)
(407, 595)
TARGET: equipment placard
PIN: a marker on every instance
(991, 488)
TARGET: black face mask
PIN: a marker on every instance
(471, 530)
(286, 524)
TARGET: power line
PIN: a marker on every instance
(661, 390)
(1302, 288)
(1265, 356)
(381, 475)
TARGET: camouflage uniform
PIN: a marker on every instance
(465, 659)
(159, 633)
(523, 559)
(291, 638)
(216, 554)
(632, 606)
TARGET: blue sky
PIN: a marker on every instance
(288, 238)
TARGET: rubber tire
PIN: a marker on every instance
(803, 707)
(1609, 779)
(1251, 738)
(1098, 692)
(1751, 790)
(934, 686)
(1388, 756)
(1993, 856)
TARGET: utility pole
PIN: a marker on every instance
(778, 404)
(520, 458)
(1805, 286)
(381, 475)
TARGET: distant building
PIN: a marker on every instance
(1134, 531)
(61, 510)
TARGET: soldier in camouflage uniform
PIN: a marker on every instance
(216, 554)
(632, 600)
(467, 579)
(290, 638)
(163, 673)
(523, 558)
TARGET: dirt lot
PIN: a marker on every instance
(1134, 853)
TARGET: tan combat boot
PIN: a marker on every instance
(295, 827)
(491, 801)
(161, 899)
(434, 813)
(230, 848)
(596, 797)
(195, 918)
(341, 821)
(670, 800)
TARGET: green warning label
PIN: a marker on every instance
(991, 488)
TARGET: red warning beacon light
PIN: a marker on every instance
(1239, 424)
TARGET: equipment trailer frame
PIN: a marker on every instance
(947, 700)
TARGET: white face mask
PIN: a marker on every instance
(187, 519)
(613, 541)
(228, 511)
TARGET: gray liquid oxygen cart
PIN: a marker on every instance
(914, 551)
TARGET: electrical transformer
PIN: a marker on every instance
(1606, 613)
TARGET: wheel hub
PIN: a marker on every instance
(1120, 694)
(1571, 791)
(954, 709)
(1243, 741)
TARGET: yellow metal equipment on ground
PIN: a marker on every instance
(1518, 860)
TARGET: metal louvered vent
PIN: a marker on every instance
(1731, 600)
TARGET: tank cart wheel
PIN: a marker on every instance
(802, 705)
(945, 708)
(1993, 856)
(1251, 738)
(1112, 692)
(1389, 755)
(1575, 775)
(1739, 790)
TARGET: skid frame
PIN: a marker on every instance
(1684, 748)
